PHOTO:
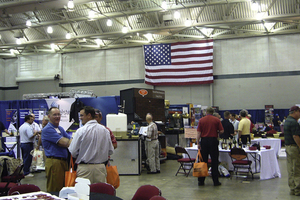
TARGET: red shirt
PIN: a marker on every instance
(209, 126)
(113, 139)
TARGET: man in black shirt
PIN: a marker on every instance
(276, 123)
(2, 128)
(228, 127)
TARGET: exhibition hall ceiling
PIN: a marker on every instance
(30, 27)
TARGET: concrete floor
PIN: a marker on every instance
(181, 187)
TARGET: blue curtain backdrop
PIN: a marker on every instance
(107, 105)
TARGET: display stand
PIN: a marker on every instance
(269, 114)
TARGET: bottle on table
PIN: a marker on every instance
(258, 146)
(240, 143)
(230, 144)
(234, 142)
(248, 143)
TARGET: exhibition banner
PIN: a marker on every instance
(64, 106)
(11, 122)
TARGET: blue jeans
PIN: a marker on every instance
(27, 158)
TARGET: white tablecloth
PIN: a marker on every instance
(266, 161)
(275, 143)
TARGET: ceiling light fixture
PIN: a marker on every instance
(164, 5)
(98, 42)
(269, 25)
(92, 14)
(177, 15)
(188, 22)
(49, 29)
(137, 34)
(71, 4)
(28, 23)
(68, 36)
(18, 41)
(52, 46)
(125, 29)
(84, 40)
(254, 6)
(12, 52)
(149, 36)
(109, 22)
(260, 15)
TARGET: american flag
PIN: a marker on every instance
(182, 63)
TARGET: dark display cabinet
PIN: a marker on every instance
(138, 102)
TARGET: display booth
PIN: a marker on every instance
(13, 114)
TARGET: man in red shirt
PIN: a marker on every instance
(208, 130)
(98, 118)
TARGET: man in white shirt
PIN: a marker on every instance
(35, 126)
(235, 124)
(27, 138)
(91, 146)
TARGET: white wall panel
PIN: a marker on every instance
(254, 93)
(11, 72)
(84, 67)
(117, 64)
(2, 73)
(104, 65)
(236, 56)
(39, 65)
(137, 70)
(284, 53)
(198, 94)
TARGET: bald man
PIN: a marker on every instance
(152, 146)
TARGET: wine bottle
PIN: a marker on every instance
(234, 142)
(230, 144)
(258, 146)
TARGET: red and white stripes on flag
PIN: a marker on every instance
(182, 63)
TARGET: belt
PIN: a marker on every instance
(58, 158)
(84, 163)
(27, 143)
(152, 139)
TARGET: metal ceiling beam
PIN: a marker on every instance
(174, 27)
(120, 14)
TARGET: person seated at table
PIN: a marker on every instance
(266, 128)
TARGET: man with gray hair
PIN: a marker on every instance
(244, 127)
(152, 146)
(209, 128)
(292, 148)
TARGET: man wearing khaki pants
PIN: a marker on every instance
(152, 146)
(292, 145)
(91, 146)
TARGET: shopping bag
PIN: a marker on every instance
(113, 176)
(200, 167)
(70, 175)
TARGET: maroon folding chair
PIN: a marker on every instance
(103, 188)
(146, 192)
(183, 161)
(5, 187)
(22, 189)
(15, 177)
(240, 160)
